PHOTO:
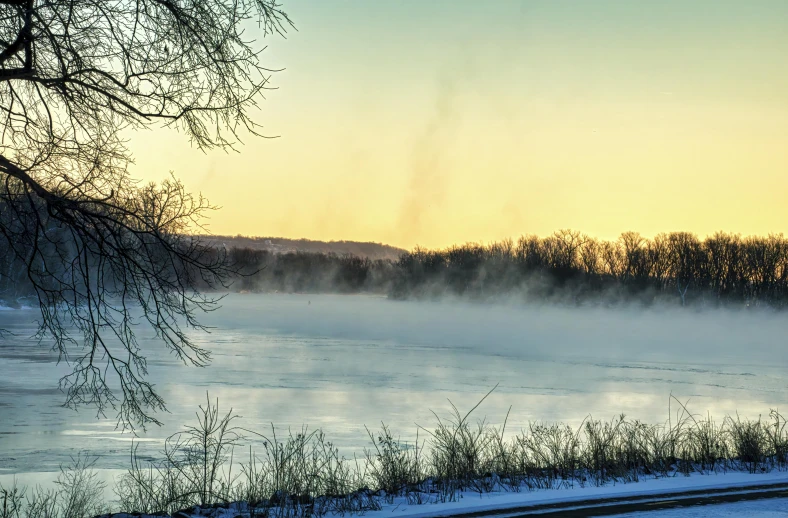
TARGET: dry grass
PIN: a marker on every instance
(302, 474)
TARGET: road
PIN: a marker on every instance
(633, 504)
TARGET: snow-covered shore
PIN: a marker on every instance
(504, 504)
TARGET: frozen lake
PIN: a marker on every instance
(342, 362)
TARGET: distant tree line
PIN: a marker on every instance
(309, 272)
(45, 262)
(573, 268)
(566, 267)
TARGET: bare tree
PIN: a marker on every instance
(94, 244)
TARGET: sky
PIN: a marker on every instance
(435, 123)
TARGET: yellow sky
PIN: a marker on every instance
(442, 122)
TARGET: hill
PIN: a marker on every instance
(281, 245)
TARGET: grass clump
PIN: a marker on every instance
(299, 475)
(77, 494)
(302, 475)
(193, 470)
(393, 466)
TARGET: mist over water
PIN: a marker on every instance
(342, 362)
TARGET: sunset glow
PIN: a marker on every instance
(435, 123)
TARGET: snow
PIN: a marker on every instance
(472, 502)
(649, 490)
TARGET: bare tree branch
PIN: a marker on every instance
(98, 251)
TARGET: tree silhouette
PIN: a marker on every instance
(570, 267)
(94, 244)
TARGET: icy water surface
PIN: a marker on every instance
(342, 362)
